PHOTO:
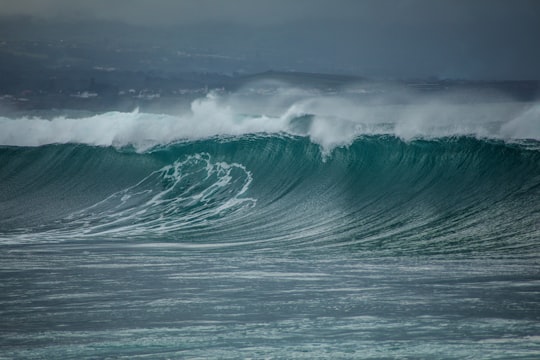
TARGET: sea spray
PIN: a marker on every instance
(328, 120)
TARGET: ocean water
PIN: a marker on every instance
(291, 225)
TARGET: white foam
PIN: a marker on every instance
(335, 120)
(190, 193)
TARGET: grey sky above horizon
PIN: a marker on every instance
(264, 12)
(451, 38)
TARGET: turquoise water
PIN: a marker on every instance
(272, 244)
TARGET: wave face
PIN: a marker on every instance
(379, 195)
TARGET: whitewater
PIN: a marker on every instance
(286, 224)
(329, 121)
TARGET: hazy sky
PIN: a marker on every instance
(447, 38)
(166, 12)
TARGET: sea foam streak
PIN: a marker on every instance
(330, 121)
(191, 192)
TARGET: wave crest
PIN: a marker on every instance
(330, 121)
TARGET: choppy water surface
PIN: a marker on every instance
(138, 301)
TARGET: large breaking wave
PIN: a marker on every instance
(316, 172)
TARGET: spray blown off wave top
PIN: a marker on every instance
(327, 120)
